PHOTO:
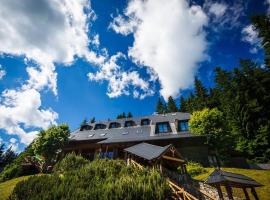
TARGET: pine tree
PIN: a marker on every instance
(161, 107)
(200, 90)
(84, 122)
(129, 115)
(171, 105)
(124, 115)
(183, 104)
(93, 120)
(262, 25)
(120, 116)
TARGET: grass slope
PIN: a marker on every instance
(7, 187)
(261, 176)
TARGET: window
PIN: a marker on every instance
(145, 122)
(115, 125)
(183, 125)
(100, 126)
(130, 123)
(163, 127)
(86, 127)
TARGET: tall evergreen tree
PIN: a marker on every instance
(84, 122)
(171, 105)
(129, 115)
(262, 25)
(93, 120)
(183, 104)
(200, 90)
(161, 107)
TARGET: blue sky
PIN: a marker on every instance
(65, 61)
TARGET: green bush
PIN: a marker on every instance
(100, 179)
(195, 169)
(70, 162)
(15, 169)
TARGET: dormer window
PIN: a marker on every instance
(114, 125)
(145, 122)
(100, 126)
(183, 125)
(163, 127)
(86, 127)
(129, 123)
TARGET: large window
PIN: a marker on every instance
(130, 123)
(100, 126)
(145, 122)
(115, 125)
(163, 127)
(183, 125)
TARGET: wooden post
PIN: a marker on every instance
(253, 191)
(219, 192)
(246, 193)
(229, 192)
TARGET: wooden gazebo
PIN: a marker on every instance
(166, 158)
(231, 180)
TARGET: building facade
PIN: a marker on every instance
(109, 138)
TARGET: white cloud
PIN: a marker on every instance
(21, 109)
(45, 32)
(251, 36)
(168, 38)
(13, 140)
(225, 16)
(119, 82)
(218, 9)
(2, 73)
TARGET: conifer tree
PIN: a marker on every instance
(161, 107)
(84, 122)
(262, 25)
(183, 106)
(93, 120)
(200, 90)
(171, 105)
(129, 115)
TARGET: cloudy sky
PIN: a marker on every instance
(62, 61)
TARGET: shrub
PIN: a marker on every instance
(70, 162)
(100, 179)
(195, 169)
(15, 169)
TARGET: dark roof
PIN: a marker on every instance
(147, 151)
(131, 134)
(232, 179)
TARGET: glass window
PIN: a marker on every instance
(115, 125)
(183, 125)
(100, 126)
(163, 127)
(145, 122)
(129, 123)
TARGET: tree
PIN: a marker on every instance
(161, 107)
(200, 90)
(6, 157)
(129, 115)
(84, 122)
(171, 105)
(262, 25)
(183, 106)
(50, 142)
(210, 122)
(93, 120)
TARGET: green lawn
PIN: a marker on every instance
(261, 176)
(7, 187)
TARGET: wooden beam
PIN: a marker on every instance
(172, 158)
